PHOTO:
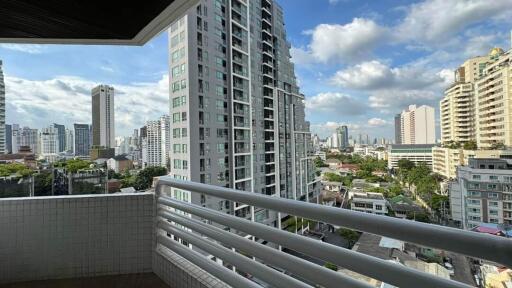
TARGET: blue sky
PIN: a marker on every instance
(357, 62)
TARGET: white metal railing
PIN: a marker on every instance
(473, 244)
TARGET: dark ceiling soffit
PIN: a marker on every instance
(157, 24)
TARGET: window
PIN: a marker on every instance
(184, 148)
(378, 207)
(492, 195)
(493, 212)
(176, 132)
(176, 148)
(493, 177)
(220, 148)
(183, 132)
(473, 202)
(476, 177)
(183, 116)
(493, 204)
(492, 186)
(176, 117)
(475, 218)
(183, 84)
(474, 194)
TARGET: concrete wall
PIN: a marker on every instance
(176, 271)
(75, 236)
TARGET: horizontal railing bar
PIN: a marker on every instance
(478, 245)
(224, 274)
(297, 266)
(265, 273)
(373, 267)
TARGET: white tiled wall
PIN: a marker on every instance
(177, 272)
(75, 236)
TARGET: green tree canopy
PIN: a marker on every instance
(470, 145)
(144, 179)
(17, 169)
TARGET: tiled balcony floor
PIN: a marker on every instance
(144, 280)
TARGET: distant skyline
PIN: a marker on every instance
(358, 63)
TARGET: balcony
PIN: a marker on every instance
(106, 240)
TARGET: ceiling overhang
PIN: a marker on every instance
(109, 22)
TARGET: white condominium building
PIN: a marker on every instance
(417, 125)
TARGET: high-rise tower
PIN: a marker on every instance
(103, 125)
(235, 104)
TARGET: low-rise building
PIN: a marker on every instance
(417, 153)
(446, 160)
(368, 202)
(120, 164)
(403, 206)
(482, 193)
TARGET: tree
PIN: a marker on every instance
(350, 235)
(43, 183)
(144, 179)
(331, 266)
(333, 177)
(320, 163)
(404, 164)
(420, 217)
(18, 169)
(393, 190)
(113, 174)
(470, 145)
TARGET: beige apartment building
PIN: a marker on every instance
(446, 160)
(494, 100)
(477, 107)
(457, 108)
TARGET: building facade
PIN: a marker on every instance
(157, 145)
(49, 144)
(446, 160)
(458, 106)
(2, 109)
(24, 136)
(69, 141)
(417, 125)
(421, 153)
(494, 101)
(482, 193)
(8, 139)
(342, 133)
(61, 135)
(103, 120)
(82, 140)
(368, 202)
(236, 106)
(398, 129)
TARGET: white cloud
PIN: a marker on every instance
(393, 101)
(107, 69)
(26, 48)
(374, 75)
(67, 100)
(345, 43)
(437, 20)
(335, 103)
(377, 122)
(301, 57)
